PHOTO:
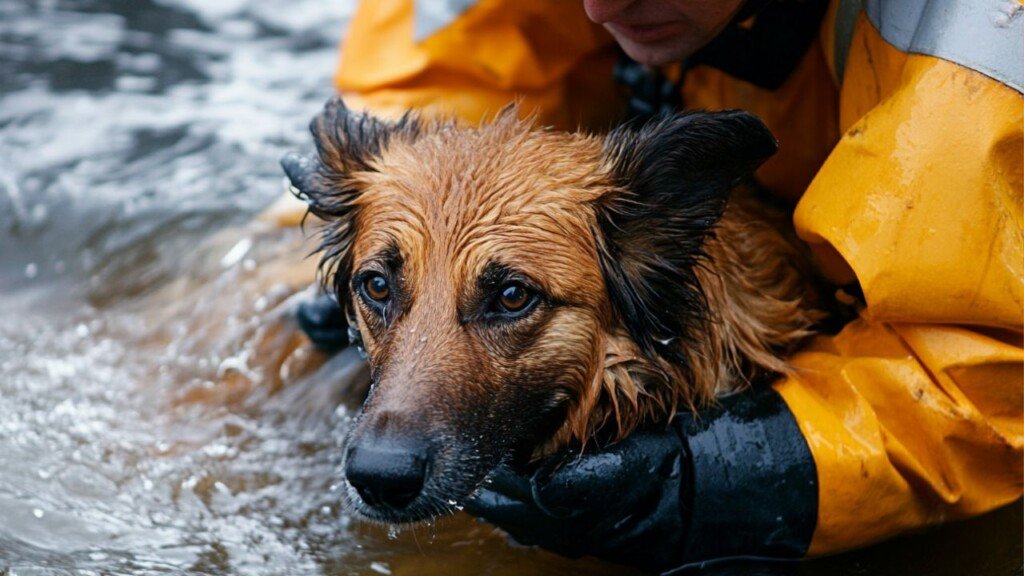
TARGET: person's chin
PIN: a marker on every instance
(653, 53)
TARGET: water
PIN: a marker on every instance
(158, 411)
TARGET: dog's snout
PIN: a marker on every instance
(387, 472)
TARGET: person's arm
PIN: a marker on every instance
(914, 412)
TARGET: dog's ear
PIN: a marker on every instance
(671, 177)
(346, 143)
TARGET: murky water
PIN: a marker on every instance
(158, 411)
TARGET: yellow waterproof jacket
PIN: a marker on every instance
(908, 171)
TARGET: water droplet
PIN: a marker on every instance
(31, 270)
(237, 252)
(380, 567)
(39, 212)
(38, 512)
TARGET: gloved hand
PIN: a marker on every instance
(621, 504)
(324, 322)
(737, 481)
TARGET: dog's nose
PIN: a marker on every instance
(388, 472)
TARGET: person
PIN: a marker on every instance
(900, 131)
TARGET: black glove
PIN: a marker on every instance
(621, 504)
(324, 322)
(737, 480)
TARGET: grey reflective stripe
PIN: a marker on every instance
(846, 21)
(432, 15)
(984, 35)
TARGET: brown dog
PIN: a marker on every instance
(519, 289)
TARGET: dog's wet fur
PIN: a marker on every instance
(653, 281)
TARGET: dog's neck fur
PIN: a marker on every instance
(759, 287)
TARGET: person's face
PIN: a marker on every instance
(657, 32)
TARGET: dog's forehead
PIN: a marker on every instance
(499, 166)
(469, 198)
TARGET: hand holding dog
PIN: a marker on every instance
(621, 504)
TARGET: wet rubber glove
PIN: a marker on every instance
(737, 480)
(622, 504)
(322, 319)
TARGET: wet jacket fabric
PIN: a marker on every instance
(907, 168)
(913, 411)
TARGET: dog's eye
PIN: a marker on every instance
(375, 286)
(514, 297)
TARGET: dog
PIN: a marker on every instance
(519, 289)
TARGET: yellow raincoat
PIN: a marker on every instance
(909, 180)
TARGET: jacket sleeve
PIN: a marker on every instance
(913, 412)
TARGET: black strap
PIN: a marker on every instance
(650, 92)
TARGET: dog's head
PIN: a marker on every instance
(514, 288)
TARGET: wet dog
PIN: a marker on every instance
(518, 289)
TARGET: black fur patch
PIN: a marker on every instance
(346, 143)
(674, 175)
